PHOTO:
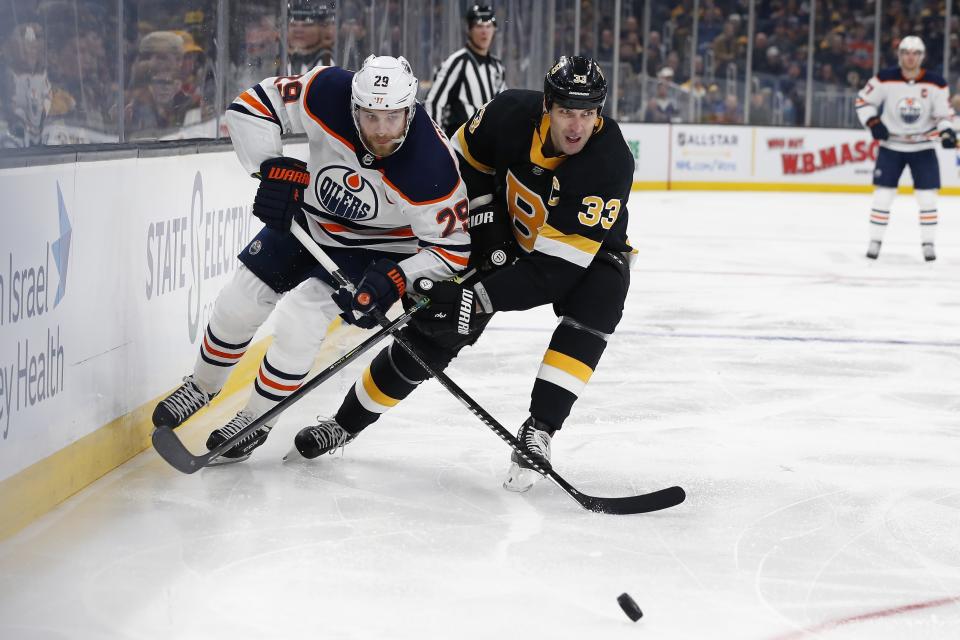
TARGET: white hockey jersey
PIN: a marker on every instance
(914, 111)
(411, 202)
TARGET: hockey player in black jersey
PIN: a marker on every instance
(548, 180)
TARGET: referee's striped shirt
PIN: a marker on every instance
(464, 82)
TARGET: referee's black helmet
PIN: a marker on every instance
(481, 14)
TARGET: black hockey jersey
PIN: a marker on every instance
(562, 210)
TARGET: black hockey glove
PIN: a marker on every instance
(282, 181)
(877, 129)
(492, 241)
(948, 139)
(383, 284)
(453, 308)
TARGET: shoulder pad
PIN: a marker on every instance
(933, 78)
(327, 93)
(606, 160)
(885, 75)
(423, 170)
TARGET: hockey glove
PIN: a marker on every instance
(282, 181)
(383, 284)
(492, 241)
(453, 308)
(877, 129)
(948, 139)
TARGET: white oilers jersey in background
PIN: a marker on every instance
(912, 110)
(412, 201)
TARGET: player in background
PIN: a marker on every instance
(381, 192)
(903, 107)
(548, 180)
(470, 77)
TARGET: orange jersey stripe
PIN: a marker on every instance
(450, 257)
(256, 104)
(337, 228)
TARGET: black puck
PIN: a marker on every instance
(629, 606)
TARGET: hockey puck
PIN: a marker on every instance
(629, 606)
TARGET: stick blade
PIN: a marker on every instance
(644, 503)
(168, 445)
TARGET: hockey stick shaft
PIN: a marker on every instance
(657, 500)
(171, 448)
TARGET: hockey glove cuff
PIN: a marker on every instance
(383, 284)
(877, 129)
(453, 308)
(493, 244)
(948, 139)
(280, 194)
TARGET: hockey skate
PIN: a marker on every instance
(240, 451)
(174, 410)
(325, 437)
(873, 251)
(536, 441)
(928, 253)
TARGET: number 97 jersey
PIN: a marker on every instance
(560, 207)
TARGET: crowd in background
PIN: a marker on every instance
(60, 80)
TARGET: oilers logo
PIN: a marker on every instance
(344, 193)
(910, 110)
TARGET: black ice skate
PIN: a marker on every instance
(535, 440)
(326, 437)
(928, 253)
(181, 404)
(873, 250)
(240, 451)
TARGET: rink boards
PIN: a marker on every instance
(110, 267)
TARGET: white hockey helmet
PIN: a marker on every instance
(912, 43)
(384, 83)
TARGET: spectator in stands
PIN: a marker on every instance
(710, 25)
(760, 112)
(157, 103)
(834, 56)
(725, 48)
(25, 90)
(662, 107)
(259, 57)
(656, 53)
(712, 107)
(605, 50)
(84, 84)
(732, 113)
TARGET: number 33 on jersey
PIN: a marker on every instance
(564, 207)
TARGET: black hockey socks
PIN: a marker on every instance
(567, 365)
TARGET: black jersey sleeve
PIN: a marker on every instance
(476, 145)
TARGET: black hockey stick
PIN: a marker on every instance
(662, 499)
(171, 449)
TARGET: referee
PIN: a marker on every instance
(470, 77)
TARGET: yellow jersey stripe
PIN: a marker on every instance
(460, 144)
(575, 240)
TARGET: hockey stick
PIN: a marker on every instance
(171, 449)
(662, 499)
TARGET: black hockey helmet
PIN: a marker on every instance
(309, 10)
(481, 14)
(575, 82)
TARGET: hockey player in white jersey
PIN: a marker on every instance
(381, 192)
(907, 108)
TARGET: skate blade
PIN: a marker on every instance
(222, 460)
(520, 480)
(293, 455)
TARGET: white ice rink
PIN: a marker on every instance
(807, 400)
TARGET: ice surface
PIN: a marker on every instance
(807, 399)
